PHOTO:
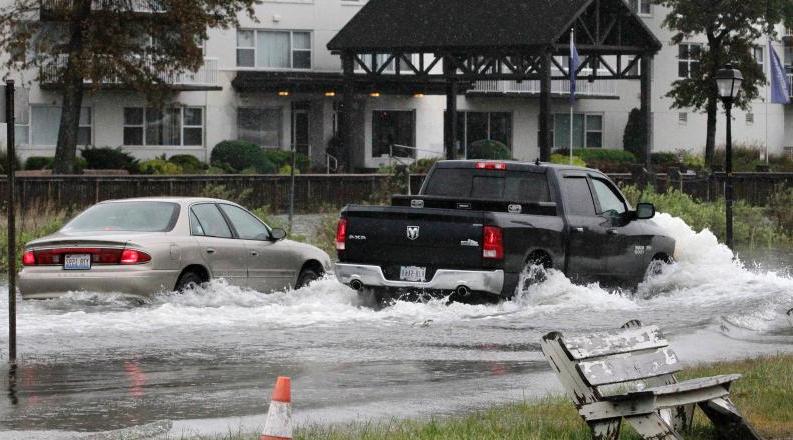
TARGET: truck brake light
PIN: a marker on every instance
(492, 243)
(491, 166)
(341, 234)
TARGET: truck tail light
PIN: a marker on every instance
(341, 234)
(132, 256)
(492, 243)
(491, 166)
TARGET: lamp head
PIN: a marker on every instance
(728, 81)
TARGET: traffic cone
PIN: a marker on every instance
(279, 417)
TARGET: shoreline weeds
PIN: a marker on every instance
(764, 395)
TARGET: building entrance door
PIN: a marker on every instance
(300, 128)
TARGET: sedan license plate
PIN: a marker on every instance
(77, 262)
(412, 273)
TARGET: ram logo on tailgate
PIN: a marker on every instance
(413, 232)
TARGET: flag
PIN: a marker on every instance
(780, 88)
(573, 66)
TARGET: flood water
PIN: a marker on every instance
(205, 360)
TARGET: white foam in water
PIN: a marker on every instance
(705, 277)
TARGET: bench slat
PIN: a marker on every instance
(611, 390)
(633, 367)
(614, 342)
(693, 384)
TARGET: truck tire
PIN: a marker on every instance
(371, 297)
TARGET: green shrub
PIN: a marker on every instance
(39, 162)
(752, 225)
(422, 166)
(663, 160)
(779, 208)
(106, 158)
(635, 135)
(189, 163)
(565, 160)
(282, 158)
(240, 155)
(3, 157)
(488, 149)
(159, 166)
(606, 160)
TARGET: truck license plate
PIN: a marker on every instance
(77, 262)
(412, 273)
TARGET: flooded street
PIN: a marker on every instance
(206, 360)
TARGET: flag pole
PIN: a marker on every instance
(767, 91)
(572, 70)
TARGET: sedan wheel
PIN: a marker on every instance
(307, 276)
(188, 280)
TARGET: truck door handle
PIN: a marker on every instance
(210, 251)
(612, 231)
(578, 229)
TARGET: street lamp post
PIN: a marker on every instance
(728, 80)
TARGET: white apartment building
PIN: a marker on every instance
(273, 82)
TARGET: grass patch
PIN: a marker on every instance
(764, 395)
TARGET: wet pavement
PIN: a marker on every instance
(203, 362)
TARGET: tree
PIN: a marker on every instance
(635, 135)
(731, 28)
(83, 44)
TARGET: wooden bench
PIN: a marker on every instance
(629, 374)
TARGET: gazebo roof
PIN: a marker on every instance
(384, 26)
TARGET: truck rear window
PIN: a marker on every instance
(518, 186)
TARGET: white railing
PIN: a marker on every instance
(144, 6)
(206, 75)
(789, 32)
(560, 87)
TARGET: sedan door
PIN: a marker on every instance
(224, 255)
(271, 264)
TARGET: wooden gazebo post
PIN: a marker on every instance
(450, 121)
(345, 115)
(647, 106)
(546, 141)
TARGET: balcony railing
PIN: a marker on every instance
(205, 76)
(603, 88)
(140, 6)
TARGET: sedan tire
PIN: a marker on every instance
(188, 280)
(307, 276)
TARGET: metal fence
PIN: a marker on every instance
(313, 191)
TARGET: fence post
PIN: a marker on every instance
(12, 233)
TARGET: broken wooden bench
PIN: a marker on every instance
(629, 374)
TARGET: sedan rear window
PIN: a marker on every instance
(138, 216)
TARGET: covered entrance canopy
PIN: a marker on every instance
(460, 41)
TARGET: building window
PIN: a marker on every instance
(171, 126)
(477, 126)
(587, 130)
(391, 129)
(273, 49)
(750, 119)
(759, 56)
(688, 56)
(45, 123)
(21, 117)
(261, 126)
(641, 7)
(682, 118)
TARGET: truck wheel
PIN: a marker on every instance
(532, 274)
(657, 264)
(370, 297)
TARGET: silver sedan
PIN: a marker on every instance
(143, 246)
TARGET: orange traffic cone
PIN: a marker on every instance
(279, 417)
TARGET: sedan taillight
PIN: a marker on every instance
(132, 256)
(28, 258)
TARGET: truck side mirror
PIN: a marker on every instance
(645, 211)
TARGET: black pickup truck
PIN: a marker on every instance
(475, 226)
